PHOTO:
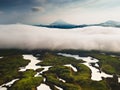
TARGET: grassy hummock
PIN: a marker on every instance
(9, 66)
(108, 64)
(27, 81)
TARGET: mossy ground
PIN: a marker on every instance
(27, 81)
(80, 80)
(9, 66)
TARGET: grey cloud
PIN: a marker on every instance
(10, 4)
(38, 9)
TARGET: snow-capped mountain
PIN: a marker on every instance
(60, 22)
(64, 25)
(110, 23)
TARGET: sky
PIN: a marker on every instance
(48, 11)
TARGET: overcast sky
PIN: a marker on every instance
(48, 11)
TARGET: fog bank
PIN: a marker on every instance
(32, 37)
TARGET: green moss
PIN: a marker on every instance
(9, 66)
(63, 72)
(53, 60)
(68, 86)
(39, 69)
(52, 80)
(27, 81)
(109, 64)
(80, 80)
(108, 69)
(28, 73)
(83, 72)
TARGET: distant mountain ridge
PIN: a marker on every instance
(110, 23)
(64, 25)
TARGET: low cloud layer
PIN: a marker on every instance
(31, 37)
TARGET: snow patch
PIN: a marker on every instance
(43, 87)
(1, 57)
(71, 66)
(96, 74)
(58, 88)
(119, 80)
(32, 64)
(8, 84)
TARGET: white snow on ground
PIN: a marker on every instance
(113, 55)
(32, 64)
(1, 57)
(119, 79)
(96, 65)
(61, 80)
(43, 87)
(11, 82)
(3, 88)
(46, 68)
(8, 84)
(71, 66)
(95, 75)
(33, 37)
(38, 75)
(58, 88)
